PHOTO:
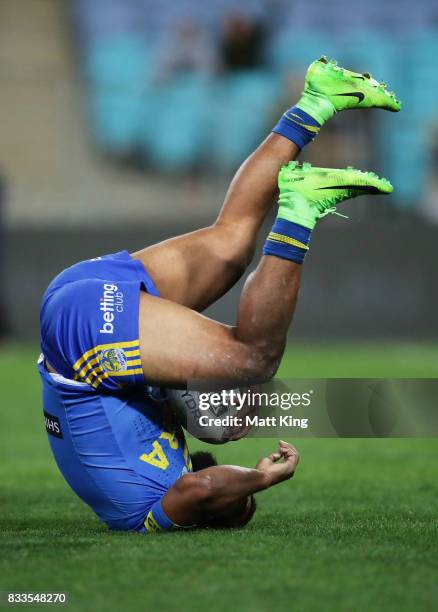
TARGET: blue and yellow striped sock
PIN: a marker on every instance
(288, 240)
(298, 126)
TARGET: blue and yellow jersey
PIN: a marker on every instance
(119, 453)
(113, 444)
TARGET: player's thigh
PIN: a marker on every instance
(198, 268)
(178, 345)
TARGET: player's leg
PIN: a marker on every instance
(196, 269)
(178, 344)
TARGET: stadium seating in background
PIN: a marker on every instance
(199, 120)
(243, 103)
(178, 123)
(338, 17)
(422, 62)
(406, 141)
(99, 19)
(293, 50)
(371, 51)
(118, 70)
(119, 61)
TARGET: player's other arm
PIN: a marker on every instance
(222, 494)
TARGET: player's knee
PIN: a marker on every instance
(268, 367)
(236, 258)
(236, 247)
(262, 364)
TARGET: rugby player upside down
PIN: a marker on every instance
(114, 325)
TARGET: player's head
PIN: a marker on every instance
(239, 513)
(236, 516)
(202, 460)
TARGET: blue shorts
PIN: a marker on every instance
(115, 446)
(89, 321)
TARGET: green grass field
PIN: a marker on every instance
(355, 530)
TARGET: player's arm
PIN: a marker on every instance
(209, 492)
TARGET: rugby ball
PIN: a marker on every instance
(215, 424)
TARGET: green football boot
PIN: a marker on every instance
(307, 194)
(330, 89)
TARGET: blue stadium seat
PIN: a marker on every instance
(178, 122)
(369, 51)
(242, 112)
(237, 135)
(99, 19)
(294, 50)
(404, 153)
(254, 88)
(120, 60)
(118, 69)
(421, 63)
(405, 141)
(115, 118)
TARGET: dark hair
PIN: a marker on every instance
(231, 521)
(202, 460)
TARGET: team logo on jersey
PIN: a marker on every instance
(113, 360)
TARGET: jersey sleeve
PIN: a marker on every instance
(157, 519)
